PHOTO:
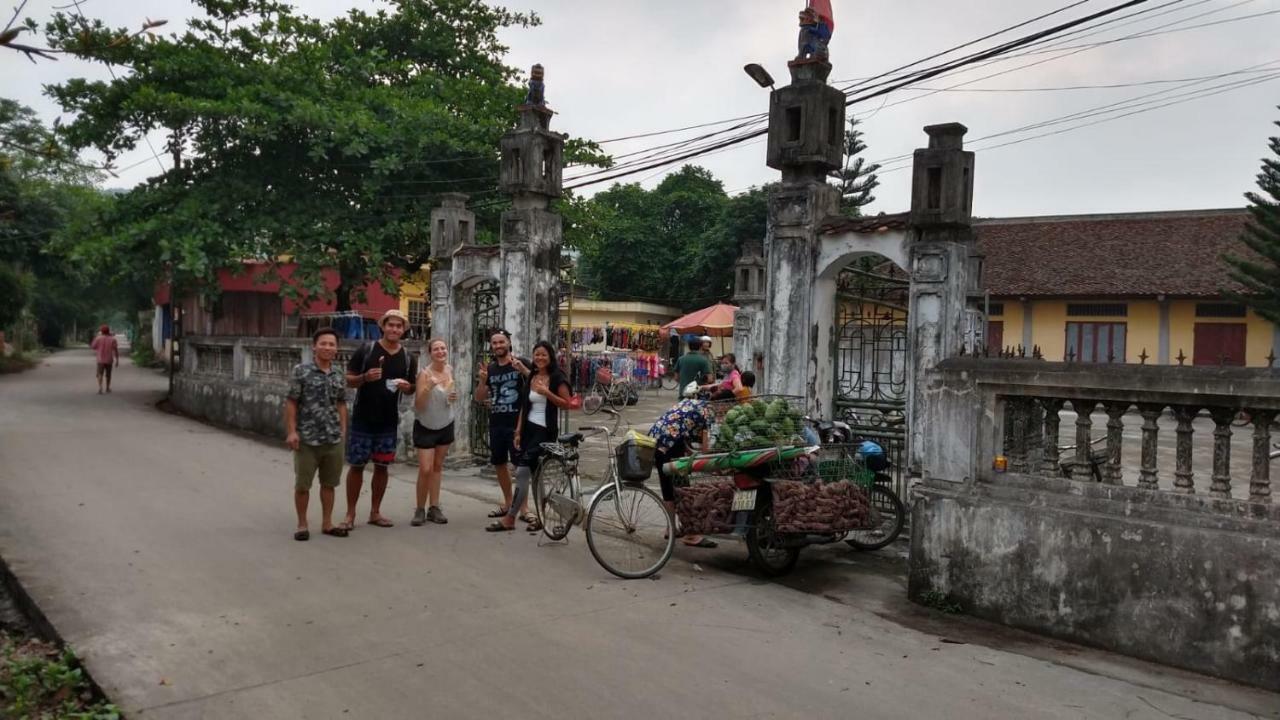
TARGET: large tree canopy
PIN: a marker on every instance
(326, 142)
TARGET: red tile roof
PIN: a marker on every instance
(1138, 254)
(870, 224)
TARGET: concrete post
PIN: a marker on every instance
(531, 171)
(806, 142)
(452, 226)
(942, 274)
(749, 295)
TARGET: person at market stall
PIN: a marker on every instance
(687, 421)
(748, 386)
(542, 399)
(692, 367)
(728, 388)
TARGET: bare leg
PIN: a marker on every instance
(437, 475)
(355, 481)
(300, 500)
(426, 465)
(379, 486)
(326, 507)
(688, 539)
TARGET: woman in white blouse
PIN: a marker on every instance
(433, 402)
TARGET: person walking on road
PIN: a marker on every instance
(315, 420)
(546, 394)
(693, 367)
(433, 430)
(380, 371)
(500, 385)
(107, 350)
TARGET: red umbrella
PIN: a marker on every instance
(716, 321)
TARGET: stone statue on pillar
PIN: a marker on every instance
(536, 95)
(815, 34)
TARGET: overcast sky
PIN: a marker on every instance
(617, 68)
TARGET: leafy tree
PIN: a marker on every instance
(858, 179)
(324, 142)
(1260, 275)
(14, 294)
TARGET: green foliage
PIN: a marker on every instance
(1260, 275)
(325, 141)
(143, 355)
(16, 363)
(858, 177)
(38, 681)
(15, 291)
(675, 244)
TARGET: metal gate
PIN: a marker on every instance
(485, 322)
(871, 363)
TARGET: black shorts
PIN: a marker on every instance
(502, 443)
(531, 445)
(425, 438)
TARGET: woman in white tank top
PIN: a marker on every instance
(433, 405)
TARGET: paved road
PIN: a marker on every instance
(160, 549)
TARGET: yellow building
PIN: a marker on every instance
(590, 318)
(1121, 288)
(415, 301)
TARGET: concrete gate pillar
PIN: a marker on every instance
(806, 137)
(944, 269)
(749, 283)
(531, 172)
(452, 226)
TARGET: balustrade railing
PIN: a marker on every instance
(262, 360)
(1185, 430)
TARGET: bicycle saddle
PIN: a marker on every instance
(570, 438)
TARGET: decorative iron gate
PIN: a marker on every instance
(485, 322)
(871, 363)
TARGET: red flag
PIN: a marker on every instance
(823, 8)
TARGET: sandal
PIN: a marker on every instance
(498, 512)
(529, 517)
(496, 526)
(381, 522)
(335, 532)
(534, 525)
(302, 535)
(703, 543)
(347, 525)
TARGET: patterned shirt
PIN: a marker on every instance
(682, 423)
(318, 394)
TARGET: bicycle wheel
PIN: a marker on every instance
(765, 548)
(629, 531)
(892, 517)
(594, 400)
(670, 381)
(554, 499)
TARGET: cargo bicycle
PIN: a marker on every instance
(629, 530)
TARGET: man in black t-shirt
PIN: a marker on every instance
(499, 385)
(380, 371)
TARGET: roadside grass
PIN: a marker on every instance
(40, 682)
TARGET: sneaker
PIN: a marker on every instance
(436, 515)
(419, 517)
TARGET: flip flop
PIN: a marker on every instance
(498, 527)
(382, 522)
(346, 525)
(498, 512)
(529, 518)
(302, 535)
(534, 525)
(335, 532)
(703, 543)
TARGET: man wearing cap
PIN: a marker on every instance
(380, 371)
(107, 351)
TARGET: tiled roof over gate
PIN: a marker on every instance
(1139, 254)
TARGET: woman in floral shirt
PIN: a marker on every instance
(687, 421)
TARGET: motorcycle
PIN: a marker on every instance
(829, 432)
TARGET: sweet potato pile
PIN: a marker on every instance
(819, 507)
(705, 509)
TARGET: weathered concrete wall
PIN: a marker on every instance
(1184, 580)
(221, 384)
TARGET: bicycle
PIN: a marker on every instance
(629, 530)
(611, 391)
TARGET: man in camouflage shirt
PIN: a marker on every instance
(315, 418)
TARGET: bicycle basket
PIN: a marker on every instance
(604, 376)
(635, 457)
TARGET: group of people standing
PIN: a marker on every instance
(524, 397)
(316, 423)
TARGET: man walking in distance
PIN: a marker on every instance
(315, 419)
(380, 371)
(107, 352)
(500, 383)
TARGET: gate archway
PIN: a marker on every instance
(872, 364)
(486, 319)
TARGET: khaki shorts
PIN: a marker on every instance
(310, 459)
